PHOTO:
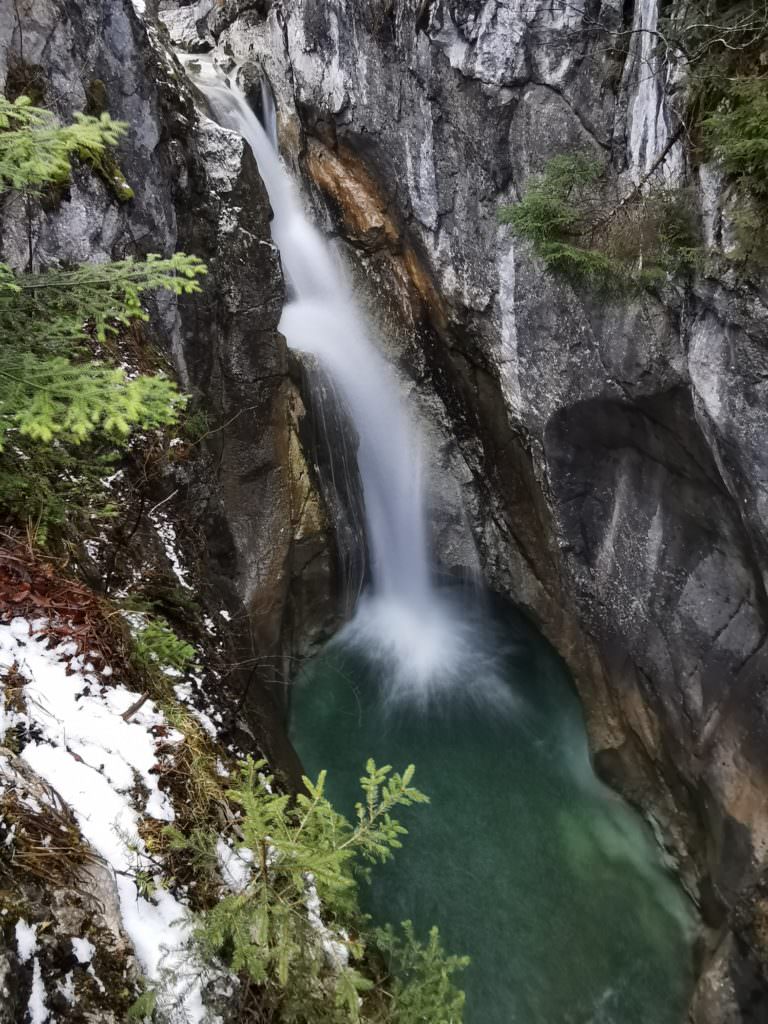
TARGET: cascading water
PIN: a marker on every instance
(414, 627)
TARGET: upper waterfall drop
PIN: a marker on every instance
(403, 617)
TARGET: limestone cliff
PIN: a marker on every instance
(608, 451)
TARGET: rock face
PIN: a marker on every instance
(609, 452)
(246, 502)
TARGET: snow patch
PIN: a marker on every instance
(185, 696)
(94, 758)
(336, 950)
(66, 988)
(235, 865)
(167, 535)
(37, 1010)
(26, 940)
(84, 950)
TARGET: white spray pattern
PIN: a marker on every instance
(402, 618)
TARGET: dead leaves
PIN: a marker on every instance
(68, 611)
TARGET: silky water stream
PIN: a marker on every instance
(525, 861)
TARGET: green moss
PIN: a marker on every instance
(106, 166)
(108, 169)
(96, 102)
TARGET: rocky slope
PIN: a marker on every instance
(609, 451)
(220, 530)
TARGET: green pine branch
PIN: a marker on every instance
(51, 310)
(295, 930)
(51, 394)
(36, 151)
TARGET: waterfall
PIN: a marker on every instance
(269, 113)
(402, 616)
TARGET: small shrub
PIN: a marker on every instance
(158, 648)
(294, 932)
(737, 134)
(144, 1007)
(581, 229)
(53, 490)
(721, 47)
(196, 424)
(423, 989)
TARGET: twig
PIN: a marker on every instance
(136, 706)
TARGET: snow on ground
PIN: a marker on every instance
(37, 1011)
(79, 742)
(189, 693)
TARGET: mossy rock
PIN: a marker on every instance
(108, 169)
(96, 101)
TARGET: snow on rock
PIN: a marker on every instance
(66, 988)
(167, 535)
(26, 940)
(185, 694)
(37, 1011)
(79, 742)
(81, 725)
(84, 950)
(334, 944)
(235, 865)
(6, 718)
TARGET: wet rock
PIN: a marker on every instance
(46, 903)
(187, 27)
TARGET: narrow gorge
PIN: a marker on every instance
(469, 472)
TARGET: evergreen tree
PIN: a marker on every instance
(293, 930)
(53, 323)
